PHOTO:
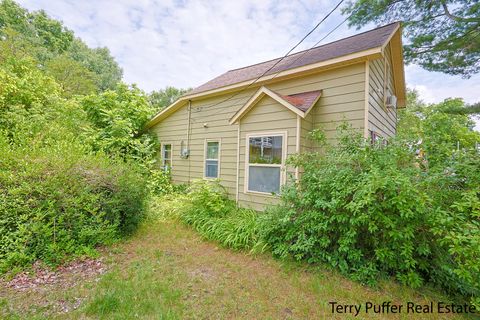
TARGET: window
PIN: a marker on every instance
(212, 152)
(166, 156)
(376, 139)
(265, 160)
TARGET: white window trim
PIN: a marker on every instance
(163, 153)
(284, 136)
(219, 140)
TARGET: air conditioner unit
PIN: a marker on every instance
(391, 102)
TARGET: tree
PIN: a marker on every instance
(117, 118)
(37, 27)
(99, 61)
(48, 39)
(434, 129)
(442, 35)
(165, 97)
(72, 76)
(473, 109)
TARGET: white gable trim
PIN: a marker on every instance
(263, 91)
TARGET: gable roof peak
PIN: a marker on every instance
(357, 43)
(299, 103)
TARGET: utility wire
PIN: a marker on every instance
(316, 44)
(281, 59)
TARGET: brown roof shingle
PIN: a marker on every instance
(360, 42)
(304, 100)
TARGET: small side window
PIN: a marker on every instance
(212, 152)
(166, 156)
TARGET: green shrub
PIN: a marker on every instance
(57, 201)
(207, 208)
(370, 210)
(159, 183)
(455, 193)
(355, 209)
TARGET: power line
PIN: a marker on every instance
(279, 60)
(316, 44)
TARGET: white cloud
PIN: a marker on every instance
(161, 43)
(435, 87)
(187, 42)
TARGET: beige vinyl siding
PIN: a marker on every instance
(306, 127)
(342, 99)
(380, 119)
(174, 128)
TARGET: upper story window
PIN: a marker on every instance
(265, 162)
(167, 156)
(212, 159)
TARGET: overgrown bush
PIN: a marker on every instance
(59, 200)
(372, 209)
(207, 208)
(159, 183)
(61, 195)
(455, 223)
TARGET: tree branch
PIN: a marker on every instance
(457, 18)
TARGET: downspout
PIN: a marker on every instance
(297, 143)
(188, 135)
(238, 164)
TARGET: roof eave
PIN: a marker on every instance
(353, 58)
(398, 66)
(263, 91)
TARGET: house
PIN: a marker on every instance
(241, 131)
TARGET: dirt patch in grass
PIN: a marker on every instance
(43, 292)
(41, 278)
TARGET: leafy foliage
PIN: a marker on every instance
(99, 61)
(435, 129)
(207, 208)
(442, 35)
(48, 40)
(163, 98)
(372, 209)
(73, 78)
(355, 209)
(49, 37)
(117, 118)
(63, 201)
(159, 183)
(62, 190)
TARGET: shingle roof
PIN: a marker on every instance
(304, 100)
(360, 42)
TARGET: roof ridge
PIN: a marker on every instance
(323, 45)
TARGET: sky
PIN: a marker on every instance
(184, 43)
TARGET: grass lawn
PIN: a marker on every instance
(166, 271)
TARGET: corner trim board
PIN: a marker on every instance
(367, 97)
